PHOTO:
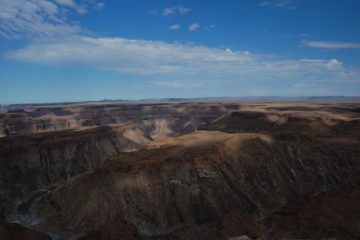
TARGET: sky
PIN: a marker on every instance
(79, 50)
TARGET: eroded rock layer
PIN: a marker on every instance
(226, 170)
(156, 120)
(34, 162)
(195, 181)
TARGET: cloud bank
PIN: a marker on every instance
(288, 4)
(56, 41)
(193, 27)
(175, 10)
(175, 27)
(160, 60)
(330, 45)
(42, 18)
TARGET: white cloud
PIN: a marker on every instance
(169, 11)
(58, 42)
(69, 3)
(39, 18)
(330, 45)
(332, 64)
(288, 4)
(183, 83)
(175, 27)
(194, 27)
(99, 6)
(33, 18)
(280, 4)
(209, 27)
(175, 10)
(262, 4)
(183, 10)
(171, 62)
(80, 8)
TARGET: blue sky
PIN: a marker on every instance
(74, 50)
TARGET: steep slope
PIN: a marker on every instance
(193, 186)
(265, 170)
(34, 162)
(156, 119)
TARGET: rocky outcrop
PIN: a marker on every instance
(254, 170)
(155, 119)
(35, 162)
(190, 185)
(172, 119)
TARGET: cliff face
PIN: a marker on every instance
(156, 120)
(268, 170)
(195, 182)
(34, 162)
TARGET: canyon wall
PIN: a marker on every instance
(35, 162)
(180, 171)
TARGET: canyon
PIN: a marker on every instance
(180, 170)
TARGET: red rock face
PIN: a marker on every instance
(268, 171)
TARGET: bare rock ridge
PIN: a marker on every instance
(194, 187)
(226, 170)
(156, 120)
